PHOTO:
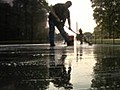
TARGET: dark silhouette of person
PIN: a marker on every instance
(80, 36)
(66, 78)
(57, 17)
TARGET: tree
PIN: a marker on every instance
(107, 16)
(25, 20)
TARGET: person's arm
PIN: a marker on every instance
(69, 20)
(54, 14)
(69, 23)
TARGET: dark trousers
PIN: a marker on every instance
(60, 27)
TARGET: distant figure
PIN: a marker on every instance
(57, 17)
(80, 36)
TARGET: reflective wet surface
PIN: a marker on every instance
(40, 67)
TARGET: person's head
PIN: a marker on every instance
(68, 4)
(80, 30)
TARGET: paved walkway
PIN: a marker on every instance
(38, 66)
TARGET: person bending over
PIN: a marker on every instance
(57, 17)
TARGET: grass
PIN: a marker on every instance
(105, 41)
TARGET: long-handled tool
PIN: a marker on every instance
(90, 43)
(72, 30)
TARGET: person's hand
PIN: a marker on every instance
(69, 28)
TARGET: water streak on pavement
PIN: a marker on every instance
(40, 67)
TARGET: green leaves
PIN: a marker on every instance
(107, 15)
(24, 20)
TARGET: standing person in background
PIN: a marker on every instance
(81, 36)
(57, 17)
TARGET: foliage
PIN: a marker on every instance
(107, 16)
(23, 20)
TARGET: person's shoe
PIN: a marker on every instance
(52, 45)
(70, 43)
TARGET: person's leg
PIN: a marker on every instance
(81, 42)
(63, 33)
(51, 33)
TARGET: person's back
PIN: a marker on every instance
(61, 11)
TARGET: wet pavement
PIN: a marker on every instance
(78, 67)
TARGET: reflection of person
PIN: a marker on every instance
(57, 71)
(81, 52)
(57, 17)
(66, 78)
(63, 77)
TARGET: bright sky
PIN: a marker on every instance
(81, 13)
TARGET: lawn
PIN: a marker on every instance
(105, 41)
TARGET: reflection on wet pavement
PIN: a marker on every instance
(40, 67)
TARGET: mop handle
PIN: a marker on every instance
(72, 30)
